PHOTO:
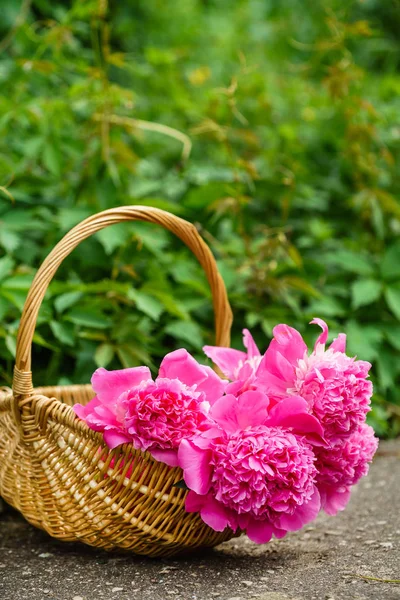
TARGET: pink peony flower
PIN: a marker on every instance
(334, 385)
(250, 471)
(159, 414)
(342, 465)
(239, 367)
(130, 407)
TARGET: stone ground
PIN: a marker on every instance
(330, 560)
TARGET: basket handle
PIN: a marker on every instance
(187, 232)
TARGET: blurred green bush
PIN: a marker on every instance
(283, 149)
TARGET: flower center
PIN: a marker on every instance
(253, 362)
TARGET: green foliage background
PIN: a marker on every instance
(289, 117)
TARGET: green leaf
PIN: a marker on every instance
(298, 283)
(33, 145)
(365, 291)
(4, 307)
(39, 339)
(181, 485)
(148, 305)
(171, 304)
(152, 238)
(129, 357)
(113, 237)
(16, 297)
(22, 220)
(203, 196)
(11, 344)
(392, 333)
(103, 355)
(363, 340)
(390, 265)
(6, 266)
(173, 207)
(186, 331)
(52, 159)
(64, 332)
(350, 261)
(9, 240)
(388, 368)
(327, 306)
(66, 300)
(69, 217)
(392, 297)
(88, 318)
(18, 282)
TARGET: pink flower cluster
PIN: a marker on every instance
(129, 407)
(263, 450)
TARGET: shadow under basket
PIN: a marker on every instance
(59, 473)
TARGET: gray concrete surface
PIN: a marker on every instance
(326, 561)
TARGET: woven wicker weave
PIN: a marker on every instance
(58, 472)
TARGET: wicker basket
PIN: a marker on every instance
(58, 472)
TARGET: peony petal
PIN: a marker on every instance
(291, 406)
(115, 438)
(92, 414)
(293, 412)
(214, 514)
(195, 463)
(245, 373)
(102, 414)
(194, 502)
(334, 500)
(250, 345)
(339, 343)
(232, 413)
(277, 369)
(226, 359)
(169, 457)
(289, 342)
(283, 368)
(225, 413)
(259, 532)
(243, 520)
(252, 409)
(279, 533)
(303, 514)
(205, 439)
(324, 335)
(83, 410)
(181, 365)
(109, 385)
(235, 388)
(272, 385)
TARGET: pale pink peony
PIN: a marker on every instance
(334, 385)
(342, 465)
(254, 470)
(130, 407)
(239, 367)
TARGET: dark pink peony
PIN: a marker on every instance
(159, 414)
(130, 407)
(334, 385)
(254, 470)
(342, 465)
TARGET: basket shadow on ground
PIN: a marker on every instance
(14, 527)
